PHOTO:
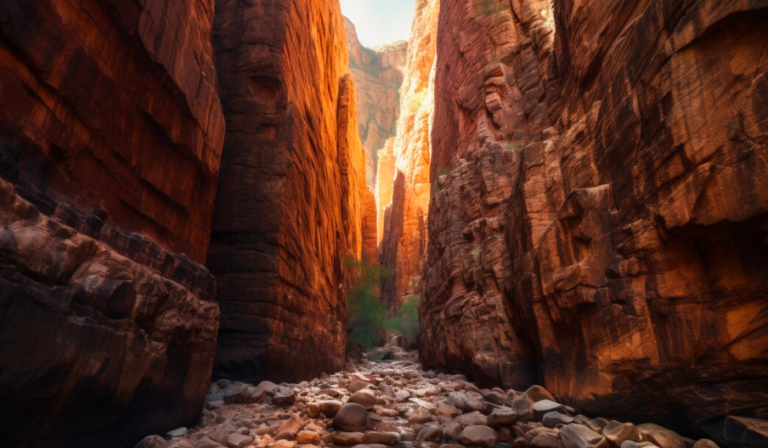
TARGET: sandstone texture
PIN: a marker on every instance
(378, 75)
(114, 105)
(599, 220)
(104, 337)
(404, 226)
(289, 208)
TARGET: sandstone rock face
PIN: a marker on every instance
(114, 104)
(601, 205)
(404, 235)
(97, 347)
(385, 175)
(378, 75)
(289, 209)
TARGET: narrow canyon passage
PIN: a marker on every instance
(213, 214)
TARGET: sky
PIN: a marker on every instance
(380, 22)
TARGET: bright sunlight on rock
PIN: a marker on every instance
(384, 223)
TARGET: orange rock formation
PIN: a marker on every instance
(289, 209)
(378, 75)
(404, 233)
(600, 220)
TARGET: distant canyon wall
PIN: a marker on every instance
(290, 205)
(111, 132)
(598, 223)
(403, 189)
(378, 75)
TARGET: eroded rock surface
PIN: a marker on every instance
(289, 207)
(619, 254)
(96, 349)
(404, 232)
(378, 75)
(113, 104)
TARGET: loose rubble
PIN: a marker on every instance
(397, 404)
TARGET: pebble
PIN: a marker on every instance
(395, 404)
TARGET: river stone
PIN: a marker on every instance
(430, 433)
(351, 418)
(329, 408)
(553, 419)
(540, 408)
(579, 436)
(502, 416)
(381, 438)
(238, 440)
(308, 438)
(617, 432)
(207, 442)
(483, 436)
(661, 437)
(545, 440)
(453, 430)
(364, 398)
(472, 419)
(421, 416)
(348, 438)
(631, 444)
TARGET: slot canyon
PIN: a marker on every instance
(238, 224)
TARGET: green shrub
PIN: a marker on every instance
(368, 315)
(406, 323)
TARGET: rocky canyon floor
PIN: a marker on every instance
(395, 403)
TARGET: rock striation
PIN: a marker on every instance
(104, 337)
(110, 137)
(404, 225)
(289, 211)
(378, 75)
(114, 105)
(600, 205)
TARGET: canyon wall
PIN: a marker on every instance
(290, 204)
(599, 220)
(378, 75)
(404, 231)
(110, 138)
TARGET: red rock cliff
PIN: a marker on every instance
(378, 75)
(404, 231)
(602, 206)
(288, 211)
(114, 105)
(110, 138)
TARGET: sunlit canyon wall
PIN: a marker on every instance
(289, 211)
(403, 195)
(598, 224)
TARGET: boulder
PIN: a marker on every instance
(483, 436)
(579, 436)
(616, 433)
(351, 418)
